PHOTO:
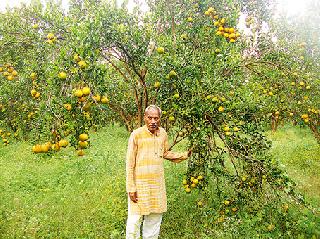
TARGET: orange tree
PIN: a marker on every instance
(49, 76)
(220, 98)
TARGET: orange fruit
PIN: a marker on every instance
(97, 97)
(78, 93)
(86, 90)
(104, 100)
(68, 107)
(63, 143)
(37, 95)
(83, 137)
(83, 144)
(80, 152)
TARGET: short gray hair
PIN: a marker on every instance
(153, 107)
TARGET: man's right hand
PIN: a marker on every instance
(133, 197)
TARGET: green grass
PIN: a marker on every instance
(299, 154)
(65, 196)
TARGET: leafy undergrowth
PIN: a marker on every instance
(65, 196)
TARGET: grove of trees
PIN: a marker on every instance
(65, 74)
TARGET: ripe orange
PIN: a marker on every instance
(83, 137)
(45, 148)
(83, 144)
(86, 90)
(157, 84)
(236, 129)
(55, 147)
(62, 75)
(78, 93)
(234, 209)
(50, 36)
(82, 99)
(10, 69)
(200, 177)
(82, 64)
(37, 95)
(97, 97)
(76, 57)
(160, 50)
(63, 143)
(10, 77)
(68, 107)
(36, 148)
(33, 75)
(33, 92)
(80, 152)
(104, 100)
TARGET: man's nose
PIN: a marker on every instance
(153, 121)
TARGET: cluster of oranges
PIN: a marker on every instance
(217, 99)
(83, 143)
(83, 92)
(51, 38)
(34, 93)
(228, 207)
(4, 135)
(249, 182)
(230, 34)
(229, 131)
(193, 182)
(56, 146)
(46, 147)
(8, 71)
(81, 63)
(301, 85)
(305, 118)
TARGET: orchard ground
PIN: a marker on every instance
(66, 196)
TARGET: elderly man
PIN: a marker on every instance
(147, 148)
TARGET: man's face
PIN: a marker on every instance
(152, 120)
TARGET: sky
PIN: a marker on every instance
(292, 7)
(65, 3)
(15, 3)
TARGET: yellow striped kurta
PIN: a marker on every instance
(145, 172)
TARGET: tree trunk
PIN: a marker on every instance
(274, 123)
(315, 132)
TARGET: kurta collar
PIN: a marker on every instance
(157, 133)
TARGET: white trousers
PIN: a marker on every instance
(150, 229)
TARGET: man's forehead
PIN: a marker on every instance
(152, 112)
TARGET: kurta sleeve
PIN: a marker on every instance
(173, 156)
(131, 164)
